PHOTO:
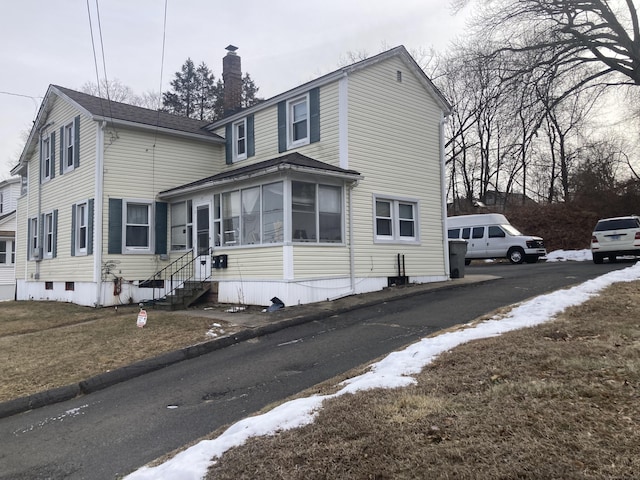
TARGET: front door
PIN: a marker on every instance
(202, 267)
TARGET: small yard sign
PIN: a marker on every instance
(142, 318)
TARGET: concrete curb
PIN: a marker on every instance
(107, 379)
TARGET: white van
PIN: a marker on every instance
(490, 235)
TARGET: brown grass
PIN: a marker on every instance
(557, 401)
(47, 344)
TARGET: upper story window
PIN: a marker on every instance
(1, 202)
(240, 140)
(47, 161)
(298, 122)
(68, 147)
(396, 220)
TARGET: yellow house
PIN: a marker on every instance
(333, 188)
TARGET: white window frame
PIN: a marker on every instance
(9, 252)
(69, 146)
(291, 104)
(49, 235)
(46, 159)
(304, 237)
(395, 203)
(188, 225)
(150, 226)
(34, 240)
(237, 139)
(82, 222)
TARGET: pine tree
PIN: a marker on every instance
(197, 94)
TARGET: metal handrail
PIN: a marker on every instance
(177, 274)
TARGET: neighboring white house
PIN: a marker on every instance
(9, 193)
(332, 188)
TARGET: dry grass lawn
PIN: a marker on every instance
(50, 344)
(559, 401)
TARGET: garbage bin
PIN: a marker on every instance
(457, 252)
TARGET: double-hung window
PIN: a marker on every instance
(396, 220)
(298, 121)
(68, 146)
(47, 165)
(240, 140)
(82, 228)
(49, 232)
(34, 242)
(137, 228)
(7, 252)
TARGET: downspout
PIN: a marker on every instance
(352, 259)
(445, 239)
(98, 205)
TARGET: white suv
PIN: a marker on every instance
(614, 237)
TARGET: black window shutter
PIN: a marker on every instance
(228, 137)
(54, 249)
(41, 162)
(251, 141)
(90, 227)
(61, 159)
(161, 228)
(52, 163)
(73, 230)
(76, 142)
(314, 117)
(115, 226)
(282, 126)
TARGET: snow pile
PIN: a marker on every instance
(572, 255)
(393, 371)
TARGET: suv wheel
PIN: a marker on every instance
(597, 258)
(515, 255)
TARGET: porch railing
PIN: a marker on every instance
(174, 276)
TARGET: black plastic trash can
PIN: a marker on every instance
(457, 252)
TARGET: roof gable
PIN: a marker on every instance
(399, 51)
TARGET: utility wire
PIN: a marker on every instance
(104, 68)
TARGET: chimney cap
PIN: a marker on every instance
(231, 48)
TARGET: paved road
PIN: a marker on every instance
(114, 431)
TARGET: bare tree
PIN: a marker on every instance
(598, 38)
(116, 91)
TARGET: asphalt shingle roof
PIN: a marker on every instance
(130, 113)
(293, 159)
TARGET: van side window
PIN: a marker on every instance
(496, 232)
(454, 233)
(466, 233)
(478, 232)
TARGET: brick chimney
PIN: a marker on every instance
(232, 78)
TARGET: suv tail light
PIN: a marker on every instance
(594, 239)
(637, 235)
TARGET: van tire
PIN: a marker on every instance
(467, 261)
(515, 255)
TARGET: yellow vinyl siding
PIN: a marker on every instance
(266, 132)
(251, 264)
(312, 262)
(394, 142)
(136, 170)
(59, 193)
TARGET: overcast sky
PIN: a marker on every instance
(283, 43)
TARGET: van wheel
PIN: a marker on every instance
(467, 262)
(515, 255)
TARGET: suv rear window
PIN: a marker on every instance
(616, 224)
